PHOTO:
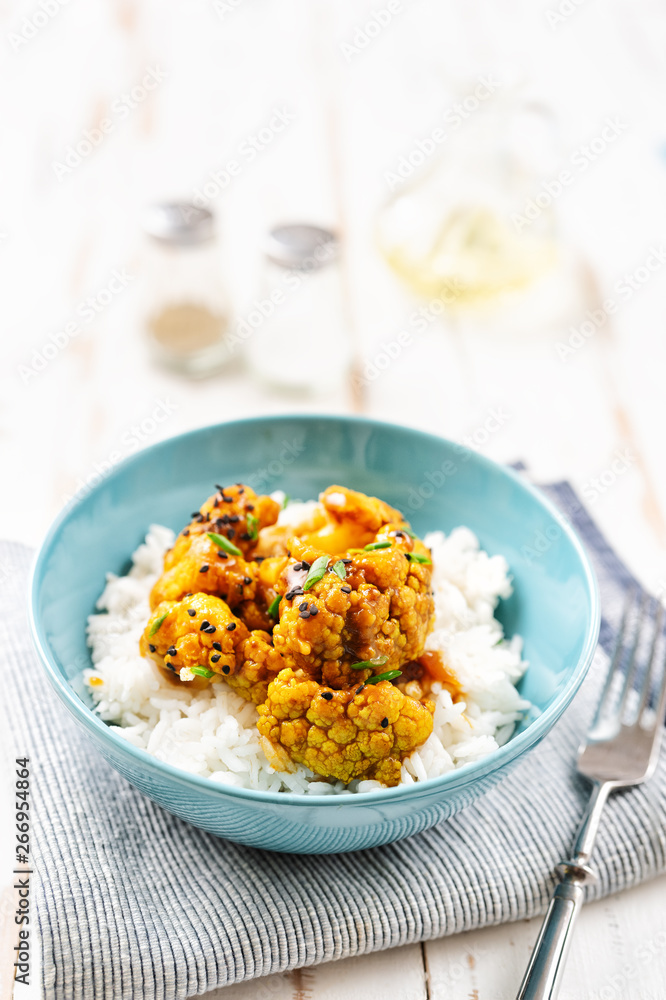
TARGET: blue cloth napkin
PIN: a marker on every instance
(134, 903)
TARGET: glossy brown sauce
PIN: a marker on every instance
(438, 670)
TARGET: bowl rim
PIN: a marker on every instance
(493, 761)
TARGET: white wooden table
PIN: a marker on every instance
(360, 97)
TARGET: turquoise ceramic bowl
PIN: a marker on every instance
(437, 484)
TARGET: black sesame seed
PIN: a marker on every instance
(346, 590)
(296, 592)
(215, 657)
(223, 597)
(250, 506)
(358, 690)
(225, 669)
(204, 625)
(305, 565)
(326, 695)
(171, 651)
(189, 594)
(204, 568)
(314, 610)
(195, 513)
(185, 531)
(246, 536)
(170, 666)
(303, 606)
(384, 723)
(210, 629)
(191, 612)
(231, 532)
(222, 555)
(234, 519)
(297, 566)
(247, 579)
(218, 646)
(347, 562)
(231, 626)
(228, 499)
(220, 488)
(304, 614)
(151, 647)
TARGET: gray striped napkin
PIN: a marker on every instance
(134, 903)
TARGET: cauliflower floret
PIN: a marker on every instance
(199, 632)
(260, 663)
(236, 513)
(361, 732)
(381, 610)
(203, 567)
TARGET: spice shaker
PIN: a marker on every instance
(295, 334)
(186, 309)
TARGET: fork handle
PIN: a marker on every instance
(542, 979)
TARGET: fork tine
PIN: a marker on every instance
(632, 666)
(616, 658)
(644, 692)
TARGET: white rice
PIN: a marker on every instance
(213, 732)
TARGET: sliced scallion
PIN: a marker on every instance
(418, 558)
(202, 671)
(390, 675)
(274, 607)
(340, 568)
(224, 543)
(252, 526)
(317, 571)
(373, 546)
(158, 623)
(377, 661)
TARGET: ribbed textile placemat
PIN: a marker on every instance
(134, 903)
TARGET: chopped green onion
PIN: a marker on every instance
(224, 543)
(274, 607)
(340, 568)
(286, 500)
(202, 671)
(415, 557)
(373, 546)
(408, 531)
(317, 571)
(377, 661)
(158, 624)
(252, 526)
(390, 675)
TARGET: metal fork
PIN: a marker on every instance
(621, 750)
